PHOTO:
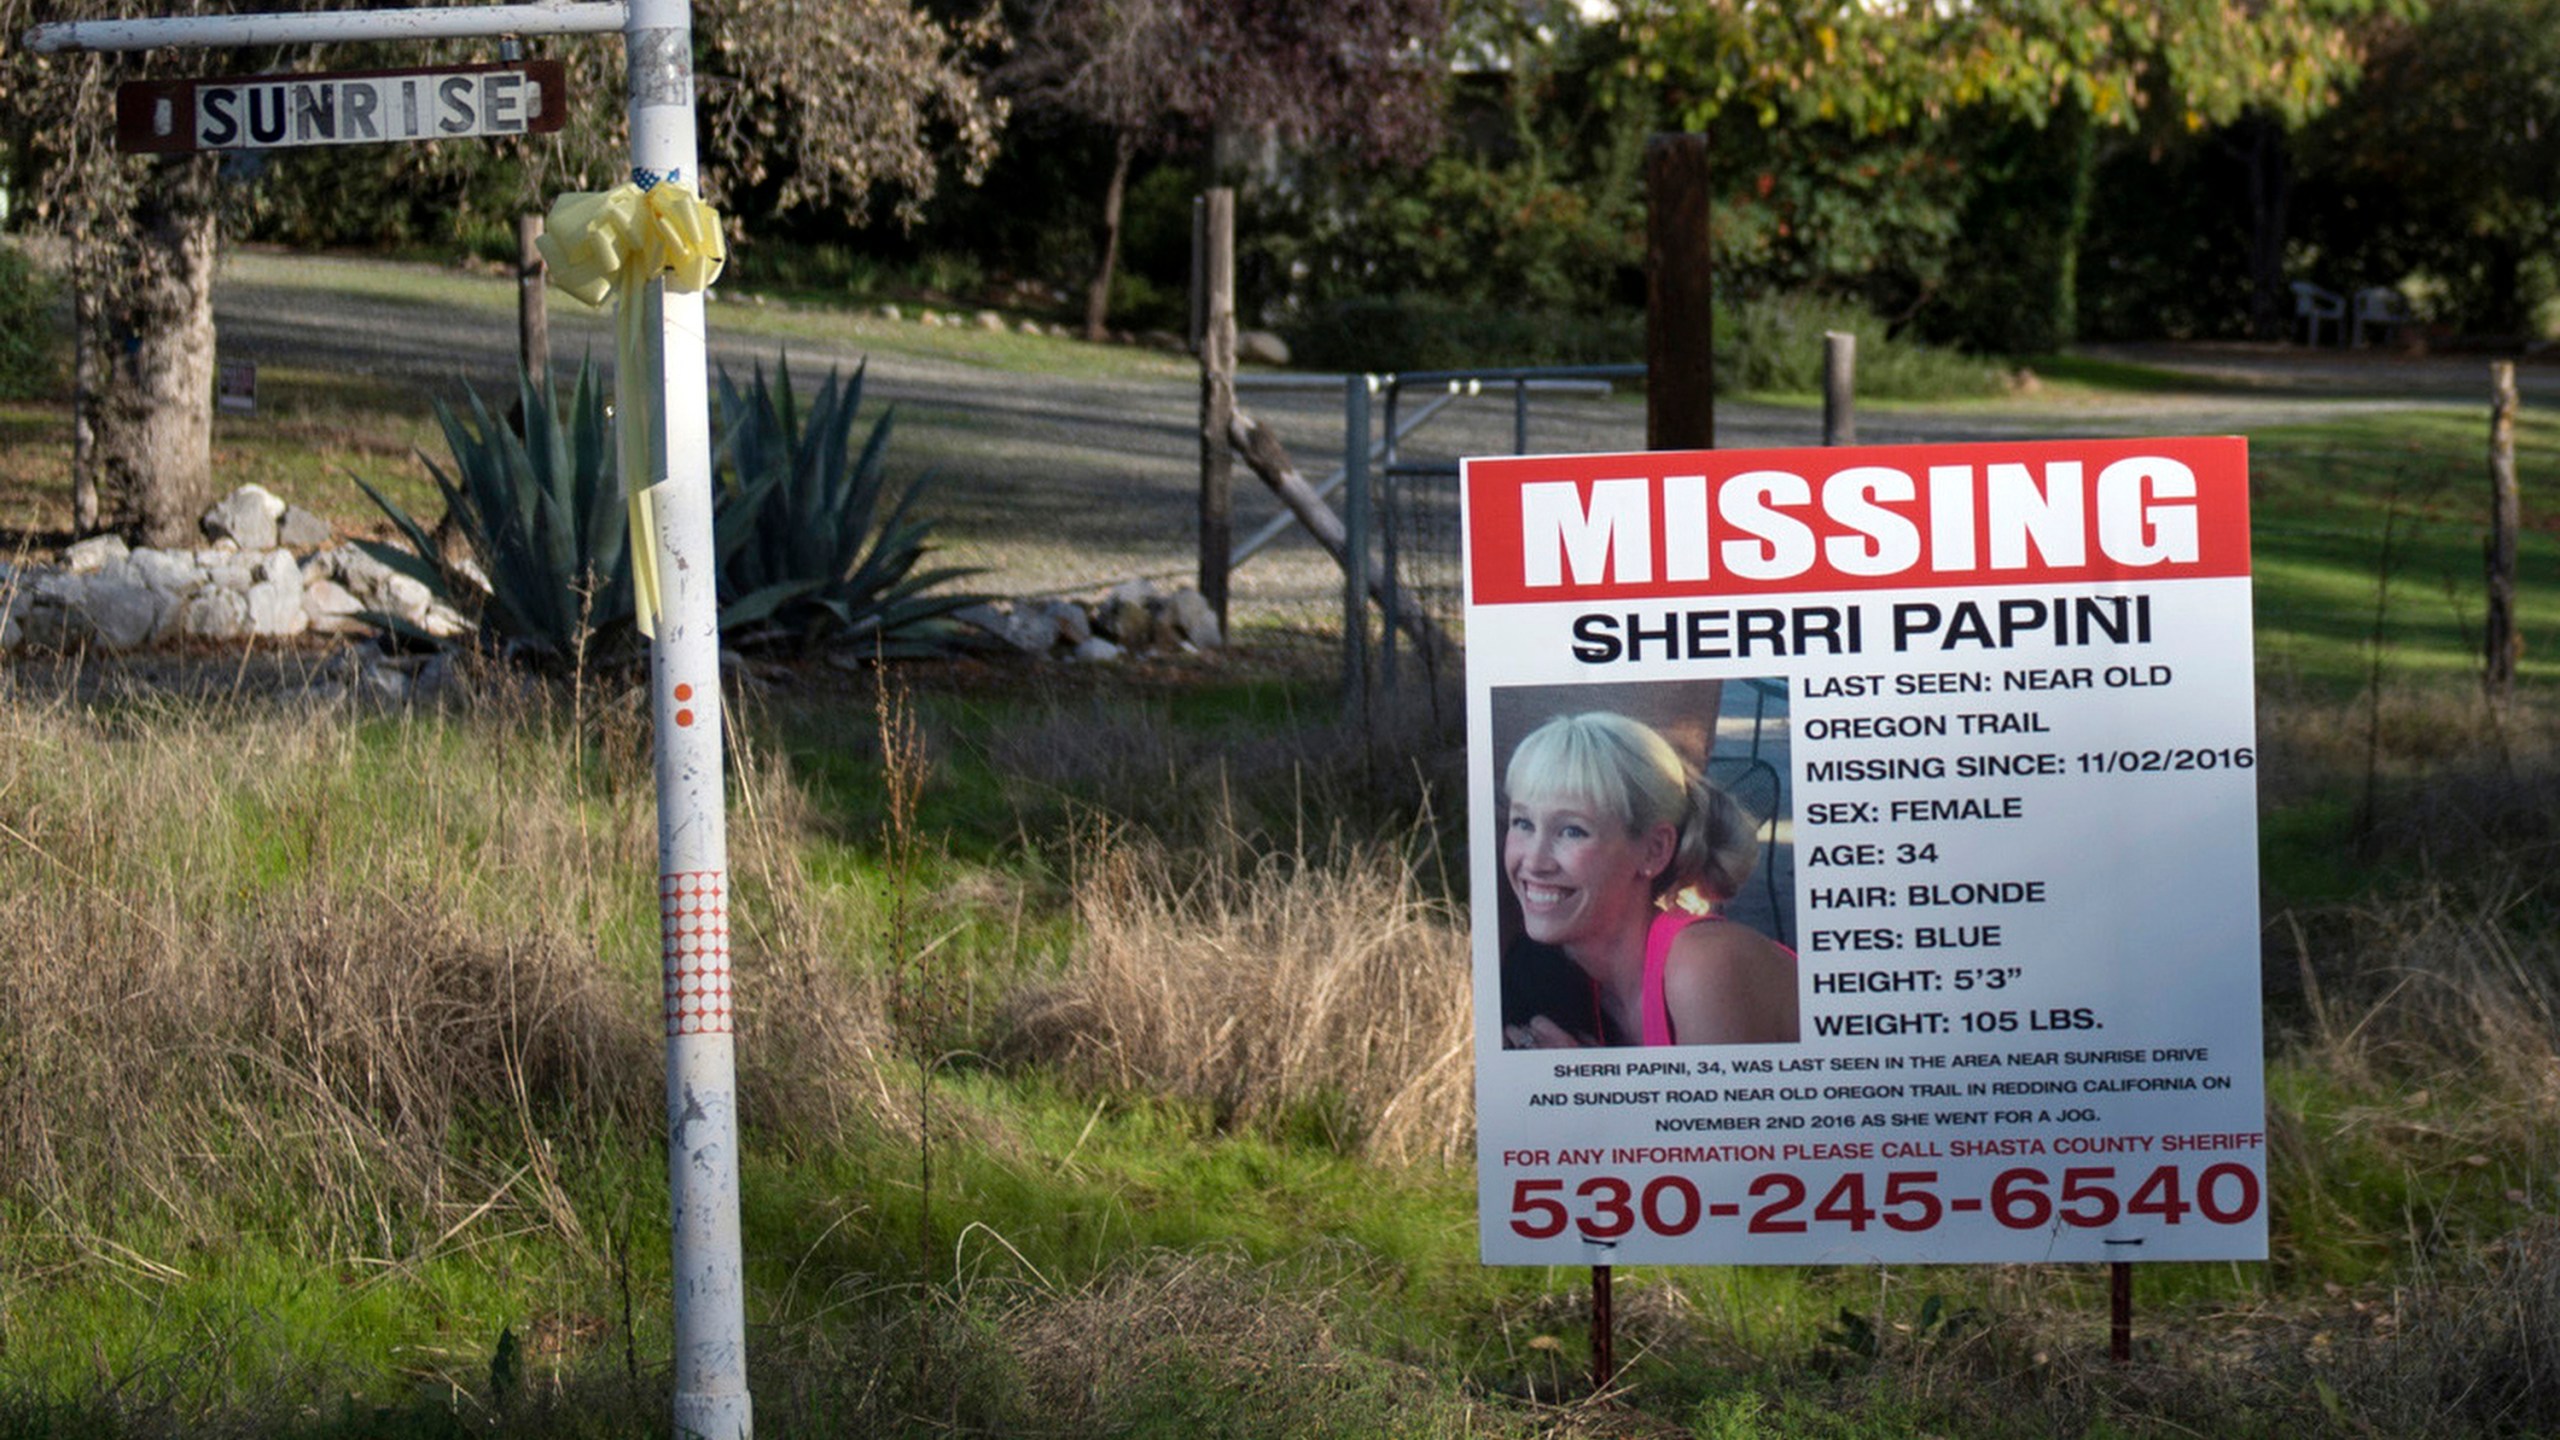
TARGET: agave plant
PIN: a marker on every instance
(814, 547)
(543, 514)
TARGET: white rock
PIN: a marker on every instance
(51, 627)
(355, 569)
(403, 596)
(299, 529)
(990, 320)
(173, 573)
(275, 608)
(122, 615)
(216, 614)
(1193, 616)
(1031, 629)
(332, 611)
(247, 517)
(278, 567)
(1141, 590)
(888, 312)
(1074, 626)
(1128, 613)
(230, 575)
(59, 587)
(94, 553)
(1098, 650)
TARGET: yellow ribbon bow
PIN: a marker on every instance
(612, 245)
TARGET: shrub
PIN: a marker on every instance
(807, 554)
(1775, 344)
(813, 547)
(545, 517)
(30, 360)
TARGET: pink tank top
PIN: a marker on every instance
(1657, 950)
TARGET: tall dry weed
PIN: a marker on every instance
(2460, 784)
(2443, 982)
(1220, 794)
(2475, 1350)
(1325, 984)
(384, 976)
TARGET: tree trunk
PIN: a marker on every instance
(87, 377)
(1097, 299)
(2270, 195)
(2081, 180)
(153, 414)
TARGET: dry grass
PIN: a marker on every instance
(1196, 1343)
(1247, 1349)
(1327, 986)
(2450, 985)
(362, 972)
(2473, 1352)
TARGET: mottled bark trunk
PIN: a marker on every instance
(152, 415)
(88, 379)
(1097, 299)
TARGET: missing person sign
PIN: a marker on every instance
(1864, 854)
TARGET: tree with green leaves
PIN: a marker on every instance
(868, 102)
(2451, 157)
(2079, 67)
(1162, 74)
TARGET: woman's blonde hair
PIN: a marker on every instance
(1628, 771)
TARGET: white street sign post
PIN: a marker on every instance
(711, 1398)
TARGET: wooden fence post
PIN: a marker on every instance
(1217, 398)
(2505, 516)
(1679, 314)
(1839, 388)
(1679, 414)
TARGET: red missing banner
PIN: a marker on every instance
(1745, 522)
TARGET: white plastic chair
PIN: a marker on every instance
(2380, 307)
(2315, 307)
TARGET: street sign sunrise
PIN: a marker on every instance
(278, 112)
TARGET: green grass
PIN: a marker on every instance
(2324, 498)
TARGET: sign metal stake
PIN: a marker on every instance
(711, 1398)
(2120, 1311)
(1604, 1332)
